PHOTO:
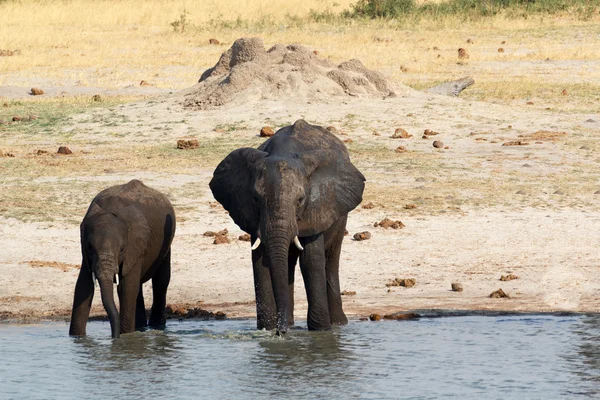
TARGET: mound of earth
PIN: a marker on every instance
(247, 71)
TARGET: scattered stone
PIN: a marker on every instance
(559, 192)
(420, 179)
(36, 91)
(213, 41)
(348, 293)
(429, 132)
(145, 83)
(64, 150)
(456, 287)
(41, 152)
(181, 312)
(224, 232)
(401, 149)
(499, 294)
(508, 277)
(564, 92)
(363, 319)
(187, 144)
(515, 143)
(469, 40)
(222, 239)
(97, 98)
(404, 282)
(348, 140)
(244, 237)
(424, 137)
(446, 147)
(462, 54)
(522, 192)
(527, 165)
(438, 144)
(368, 205)
(388, 223)
(435, 48)
(401, 316)
(587, 120)
(9, 53)
(452, 88)
(362, 236)
(266, 131)
(332, 129)
(6, 154)
(346, 233)
(500, 50)
(503, 42)
(529, 103)
(316, 52)
(403, 68)
(584, 148)
(597, 192)
(16, 119)
(375, 317)
(401, 134)
(410, 206)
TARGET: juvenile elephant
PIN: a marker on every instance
(126, 238)
(293, 195)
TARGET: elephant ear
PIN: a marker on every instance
(138, 235)
(231, 186)
(93, 210)
(335, 188)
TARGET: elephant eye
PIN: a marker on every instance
(301, 201)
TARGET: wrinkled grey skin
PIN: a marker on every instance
(127, 231)
(300, 182)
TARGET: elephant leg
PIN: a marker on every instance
(160, 284)
(82, 301)
(140, 311)
(292, 261)
(266, 311)
(312, 265)
(335, 237)
(128, 293)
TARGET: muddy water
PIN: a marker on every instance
(508, 357)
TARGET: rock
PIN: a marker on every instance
(187, 144)
(559, 192)
(469, 40)
(462, 54)
(526, 165)
(36, 92)
(368, 206)
(437, 144)
(452, 88)
(213, 234)
(41, 152)
(96, 97)
(429, 132)
(213, 41)
(221, 239)
(332, 129)
(64, 150)
(499, 294)
(348, 140)
(515, 143)
(456, 287)
(522, 192)
(375, 317)
(388, 223)
(500, 50)
(266, 131)
(401, 149)
(564, 92)
(420, 179)
(410, 206)
(530, 103)
(6, 154)
(401, 316)
(145, 83)
(348, 293)
(175, 311)
(401, 134)
(244, 238)
(446, 147)
(219, 315)
(16, 119)
(362, 236)
(9, 53)
(508, 277)
(346, 233)
(405, 282)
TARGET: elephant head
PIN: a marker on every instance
(280, 196)
(112, 244)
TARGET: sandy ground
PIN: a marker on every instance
(549, 243)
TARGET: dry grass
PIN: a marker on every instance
(109, 44)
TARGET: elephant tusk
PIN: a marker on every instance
(117, 279)
(297, 243)
(256, 244)
(94, 278)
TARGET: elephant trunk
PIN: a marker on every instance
(277, 247)
(108, 301)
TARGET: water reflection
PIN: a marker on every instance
(585, 360)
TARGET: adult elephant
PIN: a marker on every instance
(293, 195)
(126, 238)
